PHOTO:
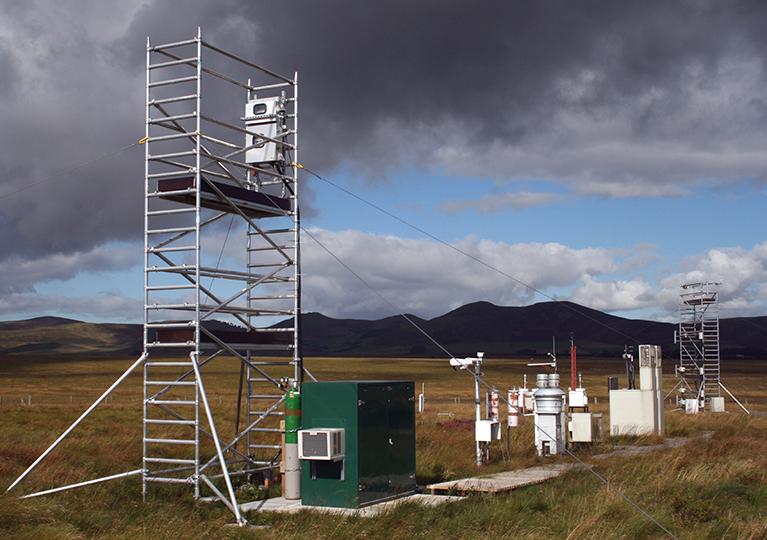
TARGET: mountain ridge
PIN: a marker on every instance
(477, 326)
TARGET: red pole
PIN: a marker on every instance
(572, 365)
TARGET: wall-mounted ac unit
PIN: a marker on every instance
(321, 444)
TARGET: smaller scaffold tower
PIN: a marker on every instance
(698, 338)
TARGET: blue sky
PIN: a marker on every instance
(678, 226)
(667, 230)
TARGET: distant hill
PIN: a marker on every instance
(59, 336)
(482, 326)
(479, 326)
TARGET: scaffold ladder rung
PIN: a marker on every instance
(171, 249)
(159, 479)
(169, 441)
(172, 211)
(171, 230)
(173, 118)
(170, 461)
(169, 421)
(178, 268)
(168, 364)
(175, 99)
(271, 248)
(180, 324)
(170, 287)
(268, 265)
(187, 191)
(177, 80)
(174, 402)
(171, 174)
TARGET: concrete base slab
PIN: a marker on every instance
(284, 506)
(501, 482)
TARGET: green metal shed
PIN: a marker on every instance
(379, 422)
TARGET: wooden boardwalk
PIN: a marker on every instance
(503, 481)
(510, 480)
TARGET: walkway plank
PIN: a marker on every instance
(503, 481)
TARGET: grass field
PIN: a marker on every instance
(711, 488)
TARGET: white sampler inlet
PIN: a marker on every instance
(549, 415)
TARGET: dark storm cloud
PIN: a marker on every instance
(493, 71)
(8, 73)
(613, 98)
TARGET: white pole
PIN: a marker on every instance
(478, 409)
(81, 484)
(77, 422)
(224, 469)
(734, 398)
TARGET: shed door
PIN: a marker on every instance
(386, 441)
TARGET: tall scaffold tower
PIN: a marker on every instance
(206, 161)
(221, 160)
(698, 337)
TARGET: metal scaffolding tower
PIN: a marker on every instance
(205, 162)
(698, 337)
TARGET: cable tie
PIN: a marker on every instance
(143, 140)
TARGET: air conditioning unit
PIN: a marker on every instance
(326, 444)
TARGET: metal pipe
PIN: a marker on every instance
(186, 374)
(208, 221)
(237, 209)
(238, 355)
(573, 353)
(734, 398)
(172, 119)
(234, 509)
(154, 194)
(82, 417)
(170, 211)
(147, 186)
(251, 285)
(191, 62)
(158, 48)
(159, 65)
(183, 135)
(202, 431)
(248, 132)
(175, 99)
(214, 433)
(298, 357)
(240, 318)
(246, 62)
(239, 400)
(199, 389)
(81, 484)
(477, 407)
(168, 174)
(269, 86)
(233, 443)
(172, 81)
